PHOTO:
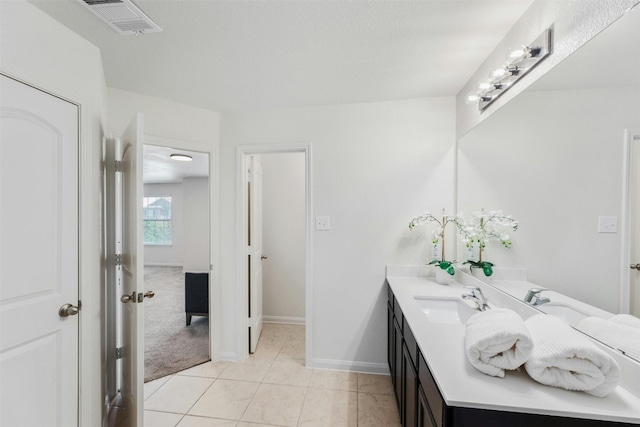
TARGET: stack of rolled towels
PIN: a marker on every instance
(551, 351)
(621, 331)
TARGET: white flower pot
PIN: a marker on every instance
(479, 273)
(442, 276)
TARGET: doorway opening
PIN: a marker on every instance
(630, 282)
(176, 230)
(274, 241)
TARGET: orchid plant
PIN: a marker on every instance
(438, 235)
(482, 228)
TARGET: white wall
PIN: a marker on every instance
(283, 221)
(40, 51)
(553, 160)
(375, 166)
(574, 23)
(164, 118)
(170, 255)
(196, 224)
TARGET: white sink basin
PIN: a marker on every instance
(445, 310)
(565, 312)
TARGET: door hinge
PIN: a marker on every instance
(249, 175)
(118, 259)
(119, 353)
(119, 165)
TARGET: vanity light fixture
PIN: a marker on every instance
(519, 61)
(181, 157)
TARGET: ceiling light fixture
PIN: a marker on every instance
(181, 157)
(519, 62)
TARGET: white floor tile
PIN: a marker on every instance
(178, 394)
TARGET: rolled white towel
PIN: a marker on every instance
(626, 319)
(563, 357)
(497, 340)
(618, 335)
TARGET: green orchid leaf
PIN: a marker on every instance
(488, 271)
(451, 270)
(435, 261)
(445, 265)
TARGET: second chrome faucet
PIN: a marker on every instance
(477, 297)
(533, 297)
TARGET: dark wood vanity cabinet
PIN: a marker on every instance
(419, 400)
(409, 407)
(394, 350)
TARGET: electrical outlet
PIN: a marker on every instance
(323, 223)
(607, 224)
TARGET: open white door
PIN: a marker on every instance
(38, 257)
(255, 255)
(634, 216)
(132, 385)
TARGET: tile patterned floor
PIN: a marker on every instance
(271, 388)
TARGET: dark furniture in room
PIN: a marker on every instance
(196, 295)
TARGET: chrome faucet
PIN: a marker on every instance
(477, 297)
(533, 297)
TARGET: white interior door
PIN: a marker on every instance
(256, 256)
(38, 257)
(634, 202)
(132, 385)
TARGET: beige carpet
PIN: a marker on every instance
(169, 345)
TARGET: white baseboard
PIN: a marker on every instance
(161, 264)
(228, 355)
(283, 319)
(349, 365)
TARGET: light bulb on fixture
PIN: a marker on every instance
(499, 74)
(484, 87)
(475, 98)
(517, 54)
(181, 157)
(471, 98)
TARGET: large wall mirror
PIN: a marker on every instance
(554, 158)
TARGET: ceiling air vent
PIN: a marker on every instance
(122, 15)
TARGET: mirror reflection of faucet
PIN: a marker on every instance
(477, 297)
(533, 297)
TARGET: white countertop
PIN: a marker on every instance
(442, 346)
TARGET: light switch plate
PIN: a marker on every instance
(323, 223)
(607, 224)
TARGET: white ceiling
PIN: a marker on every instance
(159, 168)
(248, 55)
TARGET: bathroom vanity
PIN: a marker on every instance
(436, 386)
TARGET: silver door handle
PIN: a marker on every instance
(148, 294)
(68, 310)
(128, 298)
(263, 257)
(635, 266)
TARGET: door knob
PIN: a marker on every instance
(128, 298)
(68, 310)
(148, 294)
(263, 257)
(635, 266)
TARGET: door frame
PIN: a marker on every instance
(242, 154)
(631, 143)
(214, 270)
